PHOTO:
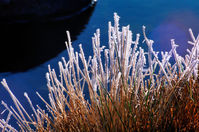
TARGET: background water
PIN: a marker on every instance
(25, 69)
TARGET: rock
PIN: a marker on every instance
(28, 9)
(4, 2)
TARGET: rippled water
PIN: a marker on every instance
(164, 20)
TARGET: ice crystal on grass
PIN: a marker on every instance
(126, 91)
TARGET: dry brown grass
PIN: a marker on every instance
(125, 92)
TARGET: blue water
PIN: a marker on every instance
(164, 19)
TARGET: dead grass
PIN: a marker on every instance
(125, 92)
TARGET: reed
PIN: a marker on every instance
(129, 89)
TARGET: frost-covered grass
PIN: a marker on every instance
(127, 92)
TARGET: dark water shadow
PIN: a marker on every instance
(26, 45)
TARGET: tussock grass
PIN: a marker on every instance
(126, 94)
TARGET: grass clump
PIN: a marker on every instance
(129, 89)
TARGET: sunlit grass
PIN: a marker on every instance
(126, 91)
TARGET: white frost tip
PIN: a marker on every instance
(67, 32)
(25, 94)
(116, 16)
(59, 63)
(3, 80)
(93, 1)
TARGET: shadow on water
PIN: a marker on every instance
(26, 45)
